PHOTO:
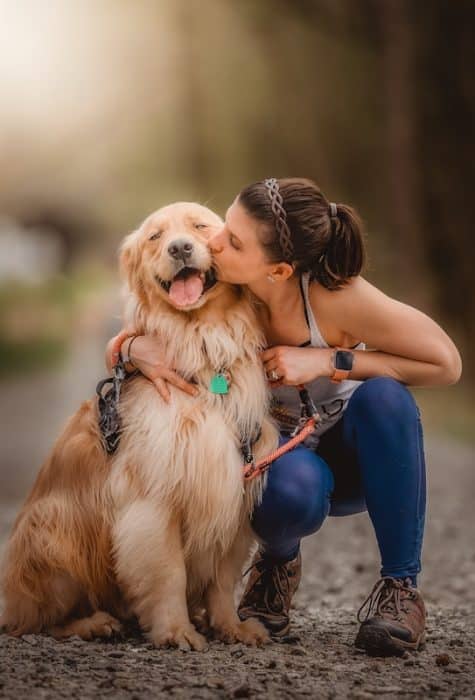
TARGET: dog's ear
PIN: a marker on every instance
(129, 259)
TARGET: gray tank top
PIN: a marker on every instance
(331, 399)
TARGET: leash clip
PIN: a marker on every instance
(108, 407)
(307, 410)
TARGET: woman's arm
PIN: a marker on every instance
(409, 346)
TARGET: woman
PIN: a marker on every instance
(300, 257)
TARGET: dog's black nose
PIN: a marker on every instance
(181, 249)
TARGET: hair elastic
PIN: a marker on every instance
(333, 211)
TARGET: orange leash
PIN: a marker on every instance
(255, 469)
(308, 409)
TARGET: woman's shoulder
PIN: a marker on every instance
(330, 308)
(356, 291)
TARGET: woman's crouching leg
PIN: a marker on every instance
(295, 502)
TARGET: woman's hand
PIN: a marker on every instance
(148, 356)
(294, 366)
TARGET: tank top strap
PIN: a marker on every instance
(315, 335)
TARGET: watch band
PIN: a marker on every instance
(339, 375)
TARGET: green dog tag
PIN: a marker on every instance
(219, 384)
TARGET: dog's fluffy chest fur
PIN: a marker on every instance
(188, 451)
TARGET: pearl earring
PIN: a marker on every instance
(270, 278)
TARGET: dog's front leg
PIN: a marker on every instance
(223, 617)
(151, 568)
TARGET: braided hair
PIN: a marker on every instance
(280, 218)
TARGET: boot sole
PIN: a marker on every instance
(273, 632)
(376, 641)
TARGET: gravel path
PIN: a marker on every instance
(340, 567)
(318, 659)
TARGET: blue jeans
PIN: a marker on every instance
(371, 459)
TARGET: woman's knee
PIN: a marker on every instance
(297, 494)
(382, 397)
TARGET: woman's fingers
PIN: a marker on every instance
(179, 382)
(162, 389)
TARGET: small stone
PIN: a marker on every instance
(456, 643)
(237, 653)
(298, 651)
(387, 689)
(242, 691)
(435, 686)
(443, 659)
(214, 682)
(42, 668)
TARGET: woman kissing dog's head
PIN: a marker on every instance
(168, 258)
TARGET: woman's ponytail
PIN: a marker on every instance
(343, 255)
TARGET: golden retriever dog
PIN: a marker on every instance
(159, 530)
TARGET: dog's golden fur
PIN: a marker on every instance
(160, 529)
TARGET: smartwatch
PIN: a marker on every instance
(342, 361)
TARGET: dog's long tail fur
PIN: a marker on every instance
(58, 555)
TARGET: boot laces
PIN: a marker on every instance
(387, 595)
(275, 580)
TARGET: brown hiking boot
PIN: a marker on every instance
(397, 619)
(269, 591)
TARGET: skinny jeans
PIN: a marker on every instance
(371, 459)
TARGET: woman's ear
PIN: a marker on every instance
(282, 271)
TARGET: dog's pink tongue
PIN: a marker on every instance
(186, 291)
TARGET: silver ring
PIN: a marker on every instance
(273, 375)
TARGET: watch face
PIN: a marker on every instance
(344, 360)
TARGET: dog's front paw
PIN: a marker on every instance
(250, 632)
(200, 620)
(185, 638)
(99, 625)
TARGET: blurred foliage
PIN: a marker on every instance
(193, 99)
(36, 320)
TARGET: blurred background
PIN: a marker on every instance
(112, 109)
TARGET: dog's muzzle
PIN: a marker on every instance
(188, 285)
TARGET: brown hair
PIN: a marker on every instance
(330, 247)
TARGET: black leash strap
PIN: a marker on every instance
(108, 405)
(247, 443)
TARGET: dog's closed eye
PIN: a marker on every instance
(200, 226)
(155, 235)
